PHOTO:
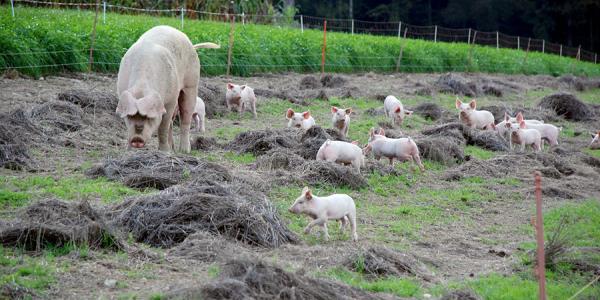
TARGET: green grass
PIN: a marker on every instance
(595, 153)
(397, 286)
(28, 272)
(51, 37)
(582, 220)
(15, 191)
(479, 153)
(242, 158)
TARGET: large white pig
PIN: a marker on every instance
(339, 207)
(158, 72)
(342, 153)
(300, 120)
(341, 119)
(394, 110)
(402, 149)
(480, 119)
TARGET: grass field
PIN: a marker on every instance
(45, 41)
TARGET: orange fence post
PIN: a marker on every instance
(324, 47)
(539, 226)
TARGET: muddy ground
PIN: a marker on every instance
(73, 127)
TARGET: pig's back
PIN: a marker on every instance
(340, 203)
(390, 102)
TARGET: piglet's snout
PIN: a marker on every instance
(137, 142)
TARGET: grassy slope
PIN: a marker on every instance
(25, 39)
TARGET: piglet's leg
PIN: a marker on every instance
(313, 223)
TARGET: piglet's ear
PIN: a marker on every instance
(506, 117)
(520, 117)
(458, 103)
(348, 110)
(397, 110)
(243, 87)
(308, 194)
(522, 124)
(289, 114)
(127, 105)
(306, 114)
(334, 109)
(230, 86)
(473, 104)
(151, 106)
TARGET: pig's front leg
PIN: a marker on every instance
(163, 133)
(254, 108)
(314, 222)
(391, 161)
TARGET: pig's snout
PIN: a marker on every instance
(139, 129)
(137, 142)
(298, 125)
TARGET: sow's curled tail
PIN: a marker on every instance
(207, 45)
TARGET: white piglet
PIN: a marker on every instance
(480, 119)
(199, 115)
(240, 97)
(339, 207)
(402, 149)
(503, 130)
(342, 153)
(300, 120)
(521, 135)
(341, 119)
(595, 144)
(395, 110)
(548, 132)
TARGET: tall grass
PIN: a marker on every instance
(41, 41)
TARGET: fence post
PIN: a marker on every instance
(402, 42)
(301, 24)
(352, 26)
(543, 45)
(12, 7)
(230, 50)
(579, 53)
(527, 51)
(399, 29)
(560, 51)
(182, 12)
(471, 50)
(469, 37)
(243, 18)
(497, 41)
(539, 226)
(93, 37)
(324, 48)
(103, 12)
(595, 58)
(435, 35)
(518, 43)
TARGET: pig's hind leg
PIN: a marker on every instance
(187, 103)
(352, 219)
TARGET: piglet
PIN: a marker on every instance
(503, 130)
(395, 110)
(595, 144)
(480, 119)
(342, 153)
(240, 97)
(300, 120)
(519, 134)
(341, 119)
(321, 209)
(548, 132)
(199, 115)
(402, 149)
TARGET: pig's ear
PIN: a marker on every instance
(334, 109)
(306, 114)
(243, 87)
(397, 110)
(506, 117)
(151, 106)
(458, 103)
(307, 193)
(520, 117)
(408, 112)
(127, 105)
(289, 114)
(348, 110)
(354, 142)
(230, 86)
(473, 104)
(522, 124)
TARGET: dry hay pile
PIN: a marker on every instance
(443, 149)
(333, 81)
(455, 84)
(567, 106)
(250, 279)
(259, 142)
(578, 83)
(90, 100)
(319, 172)
(205, 247)
(430, 111)
(309, 82)
(483, 138)
(236, 211)
(14, 151)
(214, 99)
(314, 138)
(156, 169)
(55, 117)
(492, 90)
(461, 295)
(15, 291)
(205, 143)
(384, 262)
(281, 94)
(379, 111)
(57, 223)
(280, 158)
